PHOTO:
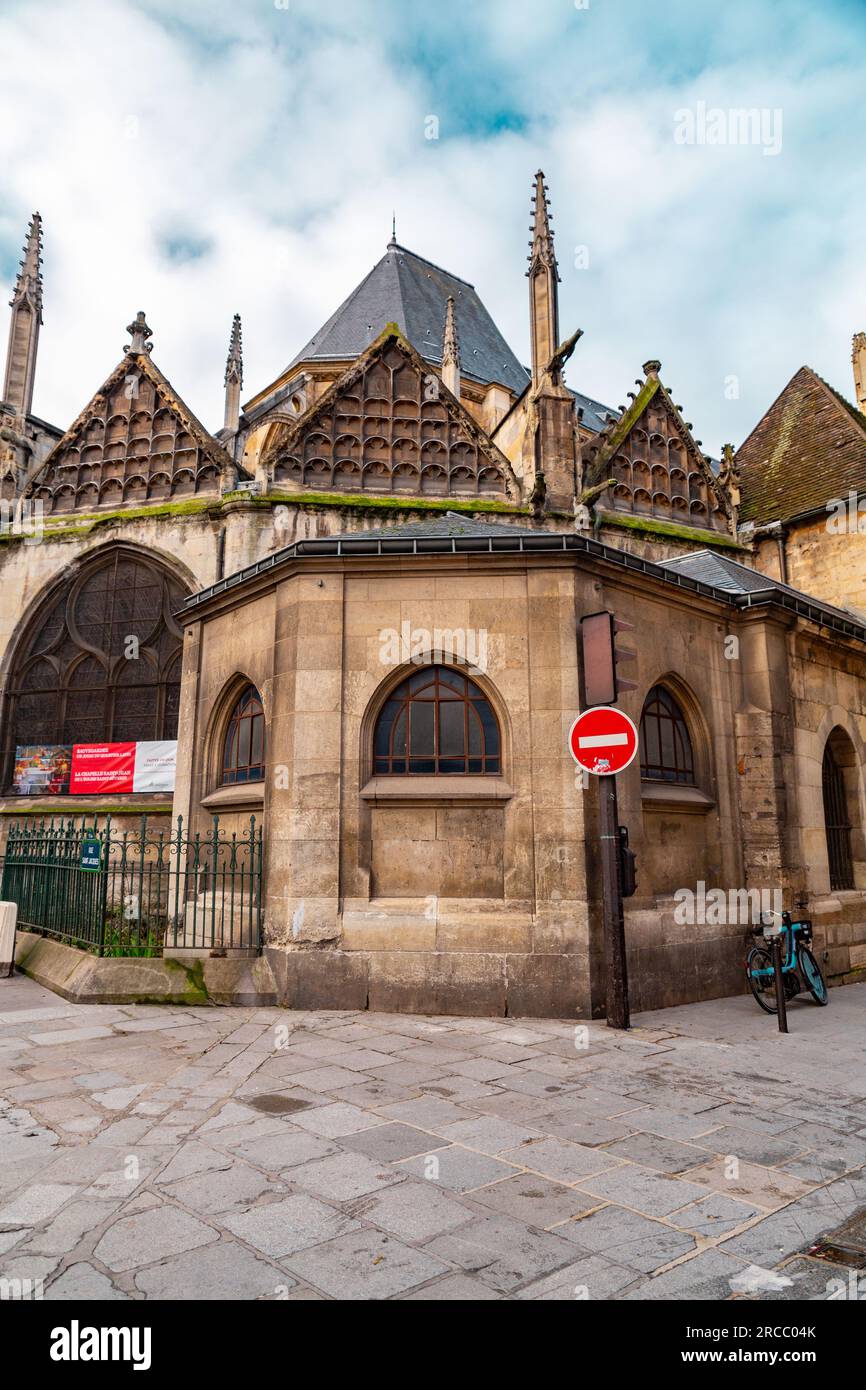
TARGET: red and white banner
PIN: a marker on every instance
(117, 768)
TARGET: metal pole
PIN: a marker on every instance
(614, 927)
(781, 1006)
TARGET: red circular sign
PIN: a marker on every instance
(603, 740)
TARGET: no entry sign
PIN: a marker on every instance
(603, 740)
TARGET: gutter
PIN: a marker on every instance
(569, 543)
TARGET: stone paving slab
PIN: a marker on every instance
(169, 1152)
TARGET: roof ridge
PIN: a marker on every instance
(857, 415)
(332, 318)
(175, 402)
(406, 288)
(395, 246)
(808, 446)
(804, 368)
(393, 333)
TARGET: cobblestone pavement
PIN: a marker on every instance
(180, 1153)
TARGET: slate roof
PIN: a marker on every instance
(722, 572)
(595, 414)
(433, 528)
(809, 448)
(478, 538)
(407, 290)
(719, 571)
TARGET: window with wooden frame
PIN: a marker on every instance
(436, 723)
(666, 753)
(243, 757)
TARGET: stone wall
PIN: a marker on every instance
(465, 904)
(444, 899)
(822, 560)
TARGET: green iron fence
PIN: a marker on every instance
(136, 892)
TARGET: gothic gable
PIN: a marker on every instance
(647, 464)
(135, 442)
(389, 425)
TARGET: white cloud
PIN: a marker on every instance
(282, 139)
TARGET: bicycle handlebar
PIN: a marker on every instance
(796, 927)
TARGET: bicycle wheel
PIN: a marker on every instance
(762, 986)
(811, 973)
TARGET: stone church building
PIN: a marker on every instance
(355, 606)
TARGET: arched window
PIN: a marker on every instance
(101, 661)
(244, 744)
(665, 746)
(437, 722)
(838, 783)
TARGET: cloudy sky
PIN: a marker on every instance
(202, 157)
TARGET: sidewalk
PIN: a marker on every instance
(181, 1153)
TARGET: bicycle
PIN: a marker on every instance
(799, 966)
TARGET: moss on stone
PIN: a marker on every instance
(197, 993)
(651, 527)
(68, 810)
(86, 523)
(629, 419)
(346, 501)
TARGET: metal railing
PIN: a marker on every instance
(136, 892)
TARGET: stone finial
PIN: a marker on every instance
(651, 369)
(541, 246)
(729, 477)
(26, 317)
(451, 350)
(28, 284)
(234, 377)
(858, 358)
(543, 284)
(140, 334)
(235, 359)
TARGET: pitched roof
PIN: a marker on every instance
(407, 290)
(724, 573)
(808, 448)
(326, 425)
(46, 476)
(511, 540)
(719, 571)
(447, 526)
(595, 414)
(619, 457)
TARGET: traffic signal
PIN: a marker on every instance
(602, 682)
(627, 864)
